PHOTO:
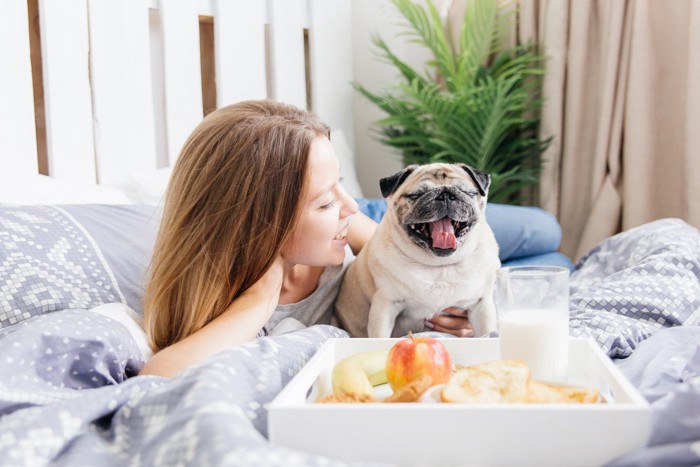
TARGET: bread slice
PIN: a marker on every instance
(509, 381)
(491, 382)
(547, 393)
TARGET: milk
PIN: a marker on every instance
(538, 336)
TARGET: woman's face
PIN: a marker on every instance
(320, 237)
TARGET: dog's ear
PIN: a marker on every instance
(482, 179)
(390, 184)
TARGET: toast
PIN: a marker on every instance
(487, 383)
(509, 381)
(547, 393)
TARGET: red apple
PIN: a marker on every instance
(416, 356)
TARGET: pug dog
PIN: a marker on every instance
(432, 250)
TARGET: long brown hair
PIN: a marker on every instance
(232, 201)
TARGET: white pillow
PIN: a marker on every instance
(149, 187)
(347, 163)
(40, 189)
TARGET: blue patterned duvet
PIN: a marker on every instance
(69, 394)
(635, 283)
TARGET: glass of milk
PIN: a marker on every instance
(532, 303)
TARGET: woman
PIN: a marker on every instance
(255, 220)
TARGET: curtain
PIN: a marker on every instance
(622, 102)
(622, 94)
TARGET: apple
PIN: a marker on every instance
(415, 356)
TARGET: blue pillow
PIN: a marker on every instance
(124, 235)
(72, 257)
(522, 232)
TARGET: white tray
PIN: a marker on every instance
(462, 434)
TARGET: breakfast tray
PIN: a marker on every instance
(462, 434)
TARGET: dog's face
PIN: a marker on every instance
(436, 205)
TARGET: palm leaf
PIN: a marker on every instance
(484, 109)
(426, 28)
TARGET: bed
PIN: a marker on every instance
(96, 99)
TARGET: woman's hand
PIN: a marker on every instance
(453, 321)
(270, 284)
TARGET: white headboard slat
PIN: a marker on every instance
(17, 131)
(330, 49)
(182, 77)
(67, 94)
(287, 18)
(239, 31)
(122, 90)
(107, 91)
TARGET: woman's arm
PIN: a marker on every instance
(360, 231)
(240, 323)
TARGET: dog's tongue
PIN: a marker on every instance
(443, 234)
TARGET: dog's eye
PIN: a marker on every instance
(413, 196)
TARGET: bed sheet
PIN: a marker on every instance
(69, 397)
(79, 404)
(666, 370)
(635, 283)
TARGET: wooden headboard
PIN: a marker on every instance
(97, 90)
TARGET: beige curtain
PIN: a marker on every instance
(622, 97)
(622, 100)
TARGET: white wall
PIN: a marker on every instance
(374, 160)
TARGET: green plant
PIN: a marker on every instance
(481, 107)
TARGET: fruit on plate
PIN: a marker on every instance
(357, 374)
(416, 356)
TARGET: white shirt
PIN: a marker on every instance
(317, 308)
